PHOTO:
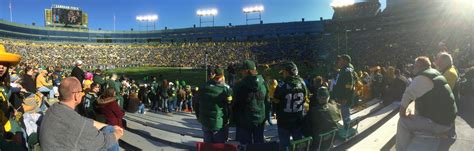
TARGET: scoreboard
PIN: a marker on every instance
(65, 16)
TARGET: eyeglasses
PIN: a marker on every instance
(80, 92)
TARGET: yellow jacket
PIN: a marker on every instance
(271, 88)
(41, 81)
(451, 76)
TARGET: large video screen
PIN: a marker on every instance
(67, 16)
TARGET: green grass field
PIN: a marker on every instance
(193, 77)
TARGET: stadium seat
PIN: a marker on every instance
(328, 139)
(201, 146)
(262, 146)
(346, 134)
(301, 144)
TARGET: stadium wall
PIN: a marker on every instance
(222, 33)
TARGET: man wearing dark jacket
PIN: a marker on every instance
(396, 88)
(78, 72)
(322, 117)
(344, 88)
(250, 95)
(27, 80)
(289, 98)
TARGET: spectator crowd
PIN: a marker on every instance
(40, 99)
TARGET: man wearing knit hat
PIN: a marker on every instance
(322, 117)
(344, 88)
(249, 104)
(289, 98)
(212, 110)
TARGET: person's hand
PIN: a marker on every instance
(118, 132)
(405, 113)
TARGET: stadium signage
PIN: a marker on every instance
(65, 7)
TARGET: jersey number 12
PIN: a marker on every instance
(294, 102)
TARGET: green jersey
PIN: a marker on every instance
(344, 89)
(291, 95)
(154, 87)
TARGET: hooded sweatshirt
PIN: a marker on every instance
(111, 110)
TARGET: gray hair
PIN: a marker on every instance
(446, 58)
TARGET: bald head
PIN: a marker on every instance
(68, 87)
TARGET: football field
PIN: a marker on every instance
(191, 76)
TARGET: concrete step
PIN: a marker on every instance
(366, 126)
(142, 143)
(176, 126)
(372, 107)
(377, 139)
(165, 137)
(182, 129)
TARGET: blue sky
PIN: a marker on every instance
(172, 13)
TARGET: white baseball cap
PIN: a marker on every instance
(78, 62)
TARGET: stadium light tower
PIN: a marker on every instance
(148, 19)
(253, 9)
(206, 12)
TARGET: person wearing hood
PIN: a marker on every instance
(250, 94)
(108, 106)
(344, 89)
(289, 100)
(322, 117)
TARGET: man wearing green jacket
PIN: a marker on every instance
(250, 95)
(116, 85)
(99, 79)
(435, 107)
(154, 87)
(212, 112)
(322, 117)
(344, 88)
(289, 101)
